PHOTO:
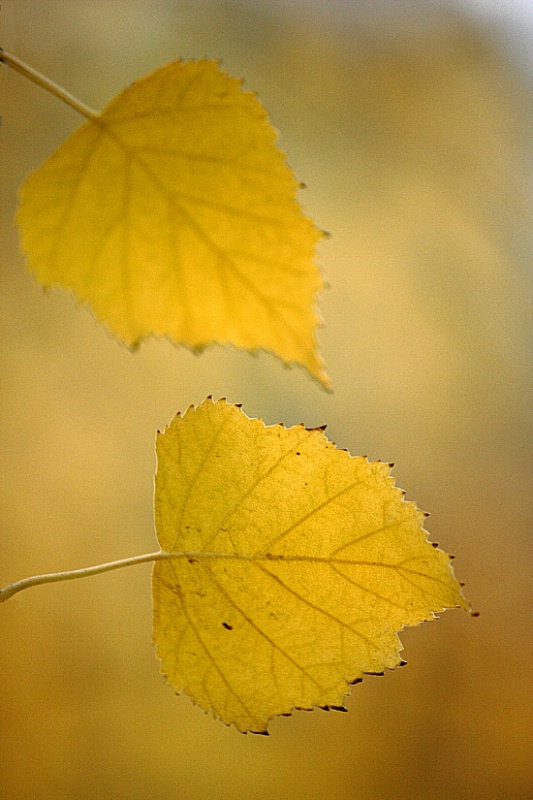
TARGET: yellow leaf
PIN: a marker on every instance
(174, 213)
(297, 565)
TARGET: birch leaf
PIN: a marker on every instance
(174, 213)
(296, 565)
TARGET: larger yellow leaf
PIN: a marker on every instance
(174, 213)
(297, 564)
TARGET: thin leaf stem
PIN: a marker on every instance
(74, 574)
(86, 572)
(41, 80)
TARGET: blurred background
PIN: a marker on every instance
(410, 123)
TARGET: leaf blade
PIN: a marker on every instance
(285, 592)
(174, 214)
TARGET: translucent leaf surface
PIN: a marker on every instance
(174, 213)
(298, 565)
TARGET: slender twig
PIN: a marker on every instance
(86, 572)
(41, 80)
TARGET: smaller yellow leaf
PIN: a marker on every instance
(295, 566)
(174, 213)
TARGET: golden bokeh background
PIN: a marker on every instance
(410, 123)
